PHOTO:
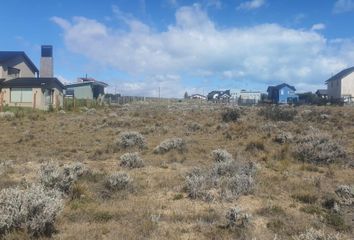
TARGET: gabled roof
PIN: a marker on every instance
(342, 74)
(7, 55)
(280, 86)
(321, 91)
(77, 84)
(33, 82)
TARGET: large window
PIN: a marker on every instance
(21, 95)
(13, 72)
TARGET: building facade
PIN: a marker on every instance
(282, 94)
(21, 86)
(340, 87)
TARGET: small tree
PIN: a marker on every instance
(186, 96)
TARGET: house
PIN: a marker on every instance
(322, 93)
(86, 88)
(21, 86)
(282, 93)
(198, 96)
(219, 96)
(249, 97)
(340, 87)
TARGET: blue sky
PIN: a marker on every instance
(138, 46)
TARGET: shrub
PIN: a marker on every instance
(5, 166)
(305, 198)
(196, 184)
(231, 115)
(118, 181)
(131, 160)
(170, 144)
(318, 147)
(33, 209)
(131, 139)
(345, 194)
(221, 155)
(225, 180)
(283, 137)
(193, 127)
(53, 177)
(7, 115)
(277, 113)
(236, 218)
(313, 234)
(255, 146)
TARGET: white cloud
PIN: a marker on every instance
(341, 6)
(195, 46)
(253, 4)
(318, 27)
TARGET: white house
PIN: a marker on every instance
(341, 86)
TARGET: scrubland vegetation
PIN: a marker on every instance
(178, 170)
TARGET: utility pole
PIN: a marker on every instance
(159, 93)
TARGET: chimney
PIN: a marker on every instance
(46, 70)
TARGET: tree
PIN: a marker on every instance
(186, 96)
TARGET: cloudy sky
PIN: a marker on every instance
(139, 46)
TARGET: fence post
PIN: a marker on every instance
(1, 100)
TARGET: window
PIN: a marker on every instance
(281, 92)
(13, 72)
(332, 84)
(21, 95)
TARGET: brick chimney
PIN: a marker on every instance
(46, 69)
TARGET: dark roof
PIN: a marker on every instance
(341, 74)
(33, 82)
(321, 91)
(6, 55)
(280, 86)
(86, 83)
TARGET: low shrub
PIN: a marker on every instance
(34, 210)
(231, 115)
(221, 155)
(170, 144)
(305, 198)
(283, 137)
(131, 139)
(237, 218)
(51, 176)
(313, 234)
(255, 146)
(194, 127)
(118, 181)
(319, 148)
(226, 180)
(278, 113)
(131, 160)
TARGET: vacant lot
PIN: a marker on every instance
(149, 171)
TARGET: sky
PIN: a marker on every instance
(141, 46)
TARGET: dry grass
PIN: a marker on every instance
(289, 196)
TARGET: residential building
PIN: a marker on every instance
(219, 96)
(22, 87)
(198, 96)
(249, 97)
(340, 87)
(282, 94)
(86, 88)
(322, 93)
